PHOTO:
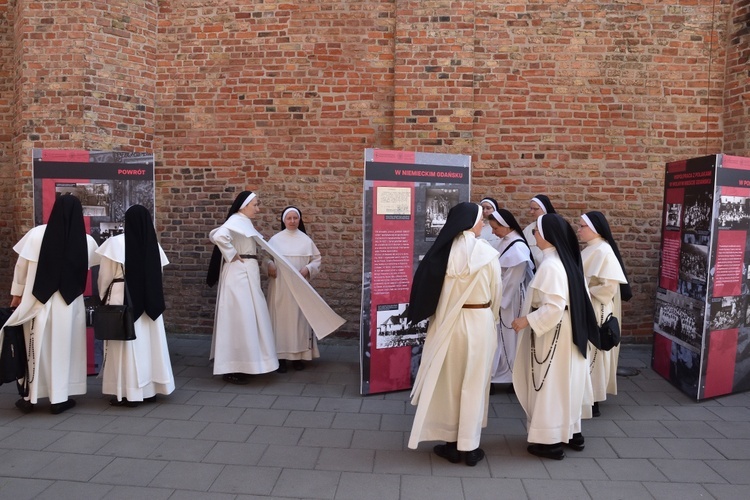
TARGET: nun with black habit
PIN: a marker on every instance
(608, 287)
(550, 375)
(48, 284)
(457, 286)
(136, 370)
(538, 206)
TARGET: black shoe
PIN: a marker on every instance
(282, 366)
(473, 457)
(152, 399)
(576, 442)
(58, 408)
(595, 410)
(553, 451)
(492, 389)
(298, 365)
(25, 405)
(236, 378)
(448, 451)
(123, 402)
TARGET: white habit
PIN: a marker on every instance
(553, 412)
(243, 340)
(294, 336)
(516, 265)
(603, 275)
(135, 369)
(451, 389)
(56, 338)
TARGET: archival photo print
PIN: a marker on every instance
(679, 318)
(694, 262)
(438, 202)
(726, 313)
(95, 197)
(697, 212)
(734, 212)
(393, 329)
(673, 216)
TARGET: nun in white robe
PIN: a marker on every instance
(243, 340)
(551, 373)
(137, 369)
(295, 340)
(607, 282)
(48, 284)
(538, 206)
(458, 286)
(517, 268)
(489, 205)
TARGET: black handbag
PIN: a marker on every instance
(609, 333)
(13, 361)
(114, 322)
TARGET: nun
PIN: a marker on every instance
(551, 376)
(48, 284)
(489, 205)
(608, 287)
(136, 370)
(538, 206)
(295, 340)
(243, 340)
(517, 267)
(457, 286)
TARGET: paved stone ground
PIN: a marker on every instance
(310, 434)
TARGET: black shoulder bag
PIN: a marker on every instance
(114, 322)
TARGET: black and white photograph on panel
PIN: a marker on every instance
(694, 262)
(734, 212)
(438, 202)
(726, 313)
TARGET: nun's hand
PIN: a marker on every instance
(519, 324)
(15, 300)
(271, 270)
(237, 258)
(305, 272)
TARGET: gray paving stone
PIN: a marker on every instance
(401, 423)
(131, 425)
(310, 419)
(252, 401)
(331, 438)
(731, 413)
(733, 449)
(323, 390)
(573, 467)
(734, 430)
(506, 426)
(733, 471)
(339, 405)
(344, 460)
(630, 469)
(647, 412)
(637, 448)
(598, 427)
(357, 421)
(80, 442)
(73, 467)
(188, 476)
(306, 483)
(378, 440)
(693, 429)
(31, 439)
(202, 495)
(173, 412)
(277, 435)
(368, 486)
(687, 471)
(204, 398)
(130, 446)
(431, 487)
(22, 489)
(218, 414)
(178, 429)
(554, 488)
(692, 413)
(676, 491)
(616, 490)
(524, 466)
(235, 453)
(284, 389)
(694, 449)
(70, 490)
(382, 407)
(185, 450)
(131, 492)
(293, 457)
(497, 489)
(295, 403)
(226, 432)
(727, 491)
(246, 481)
(416, 463)
(263, 417)
(129, 472)
(84, 423)
(644, 428)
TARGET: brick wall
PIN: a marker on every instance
(584, 101)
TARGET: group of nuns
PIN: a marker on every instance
(517, 307)
(49, 280)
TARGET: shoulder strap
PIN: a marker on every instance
(519, 240)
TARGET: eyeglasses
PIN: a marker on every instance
(533, 231)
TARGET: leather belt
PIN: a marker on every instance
(477, 306)
(248, 256)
